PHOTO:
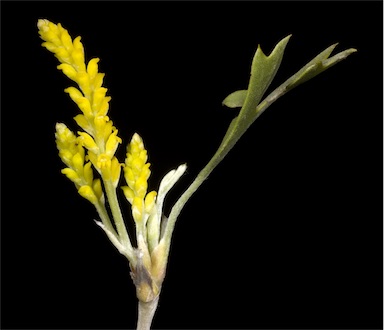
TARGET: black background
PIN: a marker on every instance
(287, 231)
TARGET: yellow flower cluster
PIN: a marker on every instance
(73, 155)
(99, 136)
(136, 173)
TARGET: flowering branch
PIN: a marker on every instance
(91, 153)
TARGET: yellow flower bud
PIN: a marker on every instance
(83, 78)
(98, 96)
(104, 106)
(129, 176)
(77, 44)
(112, 144)
(92, 68)
(88, 142)
(88, 193)
(88, 173)
(74, 93)
(71, 175)
(141, 186)
(128, 193)
(98, 80)
(98, 190)
(84, 123)
(62, 54)
(150, 200)
(136, 165)
(78, 163)
(66, 40)
(115, 171)
(137, 209)
(68, 70)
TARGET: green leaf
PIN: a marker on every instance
(236, 99)
(319, 64)
(263, 70)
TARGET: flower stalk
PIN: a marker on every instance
(91, 164)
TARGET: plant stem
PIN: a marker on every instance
(146, 313)
(118, 217)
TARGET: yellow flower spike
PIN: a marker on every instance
(91, 98)
(66, 143)
(88, 193)
(58, 41)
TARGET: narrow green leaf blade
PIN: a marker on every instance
(316, 66)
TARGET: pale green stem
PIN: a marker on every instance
(102, 211)
(176, 209)
(118, 218)
(146, 313)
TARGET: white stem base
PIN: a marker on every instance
(146, 313)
